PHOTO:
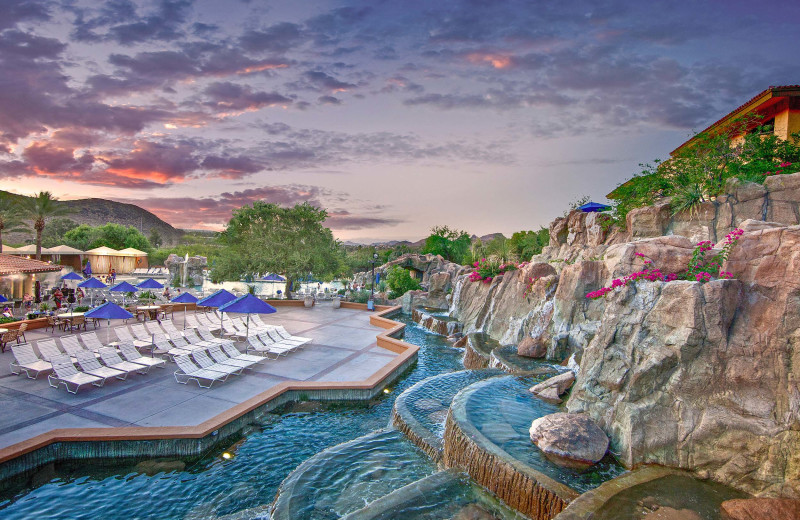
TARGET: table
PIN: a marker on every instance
(68, 316)
(152, 310)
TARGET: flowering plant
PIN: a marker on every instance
(700, 269)
(484, 271)
(782, 165)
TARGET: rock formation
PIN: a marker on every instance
(194, 266)
(689, 375)
(760, 509)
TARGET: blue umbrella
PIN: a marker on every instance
(274, 278)
(248, 304)
(184, 298)
(217, 299)
(3, 298)
(593, 207)
(149, 284)
(72, 275)
(109, 311)
(123, 287)
(92, 283)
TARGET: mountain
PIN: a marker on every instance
(98, 212)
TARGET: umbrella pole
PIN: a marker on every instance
(108, 330)
(247, 329)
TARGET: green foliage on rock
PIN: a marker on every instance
(268, 238)
(451, 244)
(525, 244)
(111, 235)
(400, 282)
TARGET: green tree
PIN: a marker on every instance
(268, 238)
(9, 218)
(155, 238)
(525, 244)
(400, 282)
(38, 210)
(111, 235)
(451, 244)
(55, 231)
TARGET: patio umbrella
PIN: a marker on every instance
(123, 287)
(149, 284)
(217, 299)
(109, 311)
(593, 207)
(274, 278)
(92, 283)
(248, 304)
(184, 298)
(3, 298)
(71, 276)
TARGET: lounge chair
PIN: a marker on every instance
(283, 333)
(89, 364)
(25, 360)
(233, 352)
(228, 330)
(204, 361)
(72, 347)
(125, 336)
(267, 347)
(170, 328)
(191, 321)
(163, 346)
(140, 333)
(220, 357)
(208, 323)
(65, 373)
(209, 337)
(130, 353)
(48, 349)
(187, 371)
(91, 341)
(191, 336)
(111, 358)
(274, 336)
(181, 342)
(153, 327)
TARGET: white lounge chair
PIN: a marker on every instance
(204, 361)
(220, 357)
(89, 364)
(91, 341)
(48, 349)
(209, 337)
(111, 358)
(72, 347)
(163, 346)
(234, 353)
(125, 336)
(65, 373)
(25, 360)
(283, 333)
(188, 371)
(130, 353)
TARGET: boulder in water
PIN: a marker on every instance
(572, 440)
(559, 384)
(532, 347)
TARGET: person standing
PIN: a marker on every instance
(113, 275)
(57, 297)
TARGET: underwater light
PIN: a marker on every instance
(387, 391)
(227, 456)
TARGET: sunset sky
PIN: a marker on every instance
(488, 116)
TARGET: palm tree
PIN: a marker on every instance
(9, 218)
(38, 209)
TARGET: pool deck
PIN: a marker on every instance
(344, 353)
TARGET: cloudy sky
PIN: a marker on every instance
(394, 115)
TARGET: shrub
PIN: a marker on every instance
(81, 308)
(400, 282)
(8, 320)
(360, 296)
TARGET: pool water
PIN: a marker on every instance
(213, 486)
(502, 409)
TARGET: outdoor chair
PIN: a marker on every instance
(72, 347)
(141, 333)
(233, 352)
(130, 353)
(188, 371)
(206, 335)
(65, 373)
(25, 360)
(48, 349)
(77, 322)
(153, 327)
(277, 338)
(21, 332)
(91, 341)
(53, 322)
(124, 335)
(191, 336)
(162, 346)
(283, 333)
(170, 328)
(111, 358)
(220, 357)
(204, 361)
(89, 364)
(230, 331)
(191, 321)
(8, 337)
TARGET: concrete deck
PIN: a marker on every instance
(344, 349)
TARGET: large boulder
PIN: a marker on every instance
(560, 383)
(558, 232)
(532, 347)
(760, 509)
(572, 440)
(649, 221)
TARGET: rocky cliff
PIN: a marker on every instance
(691, 375)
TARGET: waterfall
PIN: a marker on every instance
(456, 296)
(185, 270)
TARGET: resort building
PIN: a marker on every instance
(775, 107)
(18, 274)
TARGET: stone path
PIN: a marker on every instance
(344, 349)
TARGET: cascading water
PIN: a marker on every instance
(456, 297)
